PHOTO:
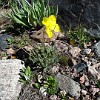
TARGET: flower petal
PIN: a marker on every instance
(49, 32)
(57, 28)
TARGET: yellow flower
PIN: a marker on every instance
(52, 19)
(50, 25)
(56, 28)
(45, 21)
(49, 32)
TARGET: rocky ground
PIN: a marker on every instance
(77, 73)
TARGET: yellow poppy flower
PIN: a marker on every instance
(56, 28)
(45, 21)
(50, 25)
(52, 19)
(49, 32)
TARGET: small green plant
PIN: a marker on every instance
(98, 84)
(31, 14)
(44, 56)
(25, 75)
(18, 43)
(10, 41)
(50, 85)
(79, 35)
(63, 95)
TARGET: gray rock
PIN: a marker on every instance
(74, 12)
(3, 41)
(81, 66)
(96, 48)
(9, 76)
(69, 85)
(95, 33)
(86, 51)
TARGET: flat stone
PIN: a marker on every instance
(69, 85)
(81, 66)
(9, 76)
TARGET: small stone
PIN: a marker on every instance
(84, 92)
(81, 66)
(55, 69)
(87, 83)
(82, 79)
(75, 51)
(53, 97)
(69, 85)
(73, 61)
(3, 41)
(87, 51)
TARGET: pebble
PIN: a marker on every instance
(3, 41)
(75, 51)
(68, 85)
(53, 97)
(87, 51)
(84, 92)
(81, 66)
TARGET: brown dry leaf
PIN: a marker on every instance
(70, 98)
(41, 35)
(10, 51)
(13, 57)
(75, 51)
(93, 71)
(28, 48)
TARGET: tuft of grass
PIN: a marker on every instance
(79, 35)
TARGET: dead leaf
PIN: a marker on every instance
(28, 48)
(10, 51)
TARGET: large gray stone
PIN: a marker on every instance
(69, 85)
(74, 12)
(9, 76)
